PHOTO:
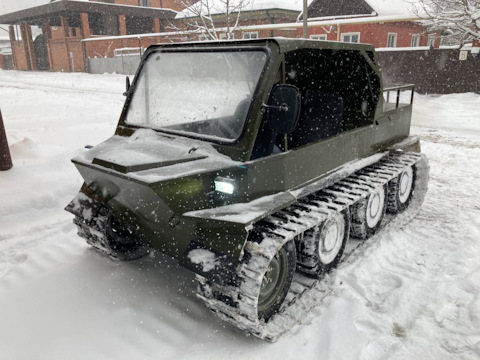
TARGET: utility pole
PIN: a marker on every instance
(305, 19)
(5, 159)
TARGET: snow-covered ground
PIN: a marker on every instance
(413, 293)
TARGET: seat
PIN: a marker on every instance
(321, 117)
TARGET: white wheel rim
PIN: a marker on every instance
(330, 238)
(405, 185)
(375, 206)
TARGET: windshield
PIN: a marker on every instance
(202, 93)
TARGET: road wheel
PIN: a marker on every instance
(367, 214)
(322, 246)
(400, 191)
(276, 281)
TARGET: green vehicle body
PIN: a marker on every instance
(160, 183)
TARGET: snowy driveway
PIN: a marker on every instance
(413, 293)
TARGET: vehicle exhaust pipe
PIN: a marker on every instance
(5, 158)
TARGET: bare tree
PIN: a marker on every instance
(455, 18)
(208, 16)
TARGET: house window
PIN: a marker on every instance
(392, 40)
(415, 40)
(203, 37)
(250, 35)
(225, 36)
(138, 25)
(351, 37)
(319, 37)
(144, 3)
(431, 41)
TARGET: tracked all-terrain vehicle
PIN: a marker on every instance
(252, 163)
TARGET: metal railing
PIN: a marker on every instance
(398, 89)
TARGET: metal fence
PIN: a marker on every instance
(125, 61)
(433, 71)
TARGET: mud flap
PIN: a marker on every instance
(211, 264)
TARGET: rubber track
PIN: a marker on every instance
(237, 305)
(94, 232)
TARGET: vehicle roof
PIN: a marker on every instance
(284, 44)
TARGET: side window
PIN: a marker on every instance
(340, 92)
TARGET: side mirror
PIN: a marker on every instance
(127, 86)
(283, 108)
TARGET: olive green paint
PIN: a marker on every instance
(157, 211)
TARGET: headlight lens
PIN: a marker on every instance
(225, 185)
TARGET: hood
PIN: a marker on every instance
(135, 157)
(150, 157)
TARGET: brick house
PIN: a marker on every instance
(378, 22)
(381, 23)
(68, 35)
(49, 37)
(258, 13)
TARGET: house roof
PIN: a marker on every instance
(324, 9)
(217, 6)
(37, 14)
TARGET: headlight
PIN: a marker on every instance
(225, 185)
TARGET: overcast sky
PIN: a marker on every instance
(7, 6)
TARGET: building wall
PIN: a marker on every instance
(248, 19)
(377, 33)
(19, 55)
(4, 62)
(168, 4)
(65, 48)
(164, 4)
(66, 56)
(127, 2)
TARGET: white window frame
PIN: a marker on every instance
(431, 41)
(350, 36)
(223, 36)
(250, 35)
(392, 39)
(322, 37)
(144, 3)
(415, 40)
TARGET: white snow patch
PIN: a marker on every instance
(389, 7)
(203, 257)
